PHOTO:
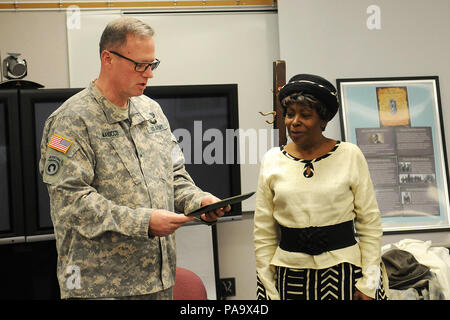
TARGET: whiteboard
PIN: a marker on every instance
(83, 45)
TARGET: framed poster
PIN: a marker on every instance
(397, 124)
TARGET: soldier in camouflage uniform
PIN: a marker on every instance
(115, 175)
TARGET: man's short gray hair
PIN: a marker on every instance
(115, 33)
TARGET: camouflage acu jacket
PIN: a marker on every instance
(106, 170)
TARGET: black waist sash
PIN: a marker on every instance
(316, 240)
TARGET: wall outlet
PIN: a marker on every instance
(228, 287)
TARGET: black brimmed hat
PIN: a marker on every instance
(316, 86)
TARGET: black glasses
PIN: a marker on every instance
(139, 66)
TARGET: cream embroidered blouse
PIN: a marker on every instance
(339, 189)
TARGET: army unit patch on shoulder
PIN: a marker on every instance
(59, 143)
(53, 164)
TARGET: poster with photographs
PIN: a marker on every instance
(397, 124)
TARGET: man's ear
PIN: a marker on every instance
(105, 57)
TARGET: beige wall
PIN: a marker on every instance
(41, 39)
(411, 41)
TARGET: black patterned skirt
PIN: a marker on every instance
(334, 283)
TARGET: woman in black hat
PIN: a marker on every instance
(312, 194)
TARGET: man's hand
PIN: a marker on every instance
(164, 223)
(212, 216)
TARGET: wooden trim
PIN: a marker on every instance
(21, 5)
(279, 80)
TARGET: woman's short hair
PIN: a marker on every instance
(115, 33)
(305, 99)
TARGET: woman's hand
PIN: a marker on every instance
(358, 295)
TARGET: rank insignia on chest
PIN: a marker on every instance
(59, 143)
